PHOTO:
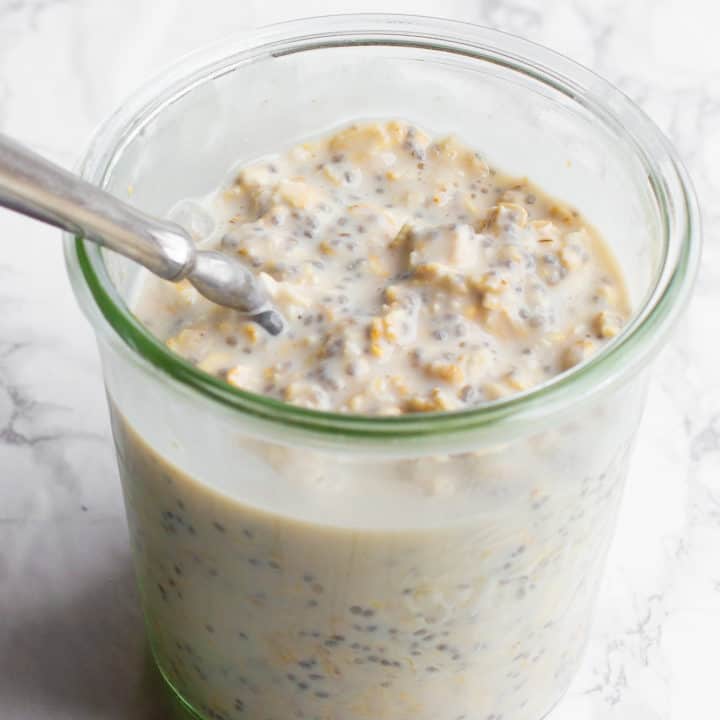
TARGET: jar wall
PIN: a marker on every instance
(276, 577)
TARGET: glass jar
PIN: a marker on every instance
(302, 564)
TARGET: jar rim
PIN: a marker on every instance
(630, 351)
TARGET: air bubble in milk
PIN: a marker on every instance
(195, 219)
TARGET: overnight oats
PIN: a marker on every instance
(399, 507)
(412, 277)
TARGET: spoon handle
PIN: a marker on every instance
(31, 185)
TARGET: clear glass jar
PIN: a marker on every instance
(304, 564)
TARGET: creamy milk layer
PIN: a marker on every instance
(283, 583)
(411, 274)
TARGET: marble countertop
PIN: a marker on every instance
(71, 639)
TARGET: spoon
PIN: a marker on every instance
(33, 186)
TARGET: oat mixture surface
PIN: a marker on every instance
(411, 274)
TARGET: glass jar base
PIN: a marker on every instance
(179, 708)
(182, 709)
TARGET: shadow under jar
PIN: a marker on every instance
(301, 564)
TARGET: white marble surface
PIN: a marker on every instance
(70, 632)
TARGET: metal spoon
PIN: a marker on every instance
(33, 186)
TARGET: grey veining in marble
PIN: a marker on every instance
(71, 643)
